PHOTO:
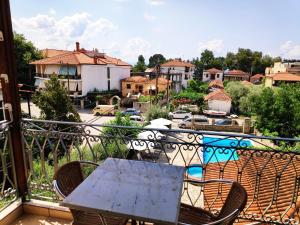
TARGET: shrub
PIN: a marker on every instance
(156, 112)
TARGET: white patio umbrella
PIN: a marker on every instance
(146, 142)
(161, 121)
(157, 126)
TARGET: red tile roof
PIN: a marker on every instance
(161, 80)
(256, 77)
(262, 198)
(80, 57)
(136, 79)
(218, 95)
(52, 52)
(236, 73)
(217, 84)
(213, 70)
(246, 83)
(177, 63)
(284, 77)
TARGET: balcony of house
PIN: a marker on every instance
(73, 84)
(269, 173)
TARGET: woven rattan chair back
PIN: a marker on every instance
(68, 177)
(236, 199)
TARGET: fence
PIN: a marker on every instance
(270, 174)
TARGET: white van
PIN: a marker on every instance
(188, 122)
(104, 110)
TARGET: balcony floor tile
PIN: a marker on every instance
(30, 219)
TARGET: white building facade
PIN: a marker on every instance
(81, 71)
(186, 70)
(212, 74)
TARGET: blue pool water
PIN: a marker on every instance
(218, 150)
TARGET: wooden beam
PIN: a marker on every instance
(11, 95)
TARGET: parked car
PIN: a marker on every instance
(192, 108)
(179, 114)
(188, 122)
(131, 112)
(226, 122)
(104, 110)
(137, 118)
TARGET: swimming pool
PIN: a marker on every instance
(218, 150)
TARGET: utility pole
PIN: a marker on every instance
(68, 79)
(157, 76)
(11, 98)
(168, 78)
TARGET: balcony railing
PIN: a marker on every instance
(270, 174)
(71, 77)
(7, 174)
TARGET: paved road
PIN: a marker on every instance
(85, 115)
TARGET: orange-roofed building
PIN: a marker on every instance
(257, 79)
(278, 78)
(218, 100)
(215, 85)
(236, 75)
(81, 70)
(178, 66)
(212, 74)
(143, 85)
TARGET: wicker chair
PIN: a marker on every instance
(234, 204)
(65, 180)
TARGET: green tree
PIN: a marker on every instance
(278, 111)
(249, 101)
(207, 59)
(140, 66)
(55, 103)
(26, 52)
(156, 59)
(230, 61)
(236, 90)
(156, 112)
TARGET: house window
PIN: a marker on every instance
(218, 75)
(128, 86)
(206, 75)
(187, 69)
(108, 85)
(186, 77)
(108, 73)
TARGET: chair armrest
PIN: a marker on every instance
(209, 181)
(88, 162)
(217, 221)
(57, 190)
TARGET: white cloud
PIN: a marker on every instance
(46, 31)
(134, 47)
(52, 11)
(149, 17)
(290, 49)
(155, 2)
(215, 45)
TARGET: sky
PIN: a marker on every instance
(174, 28)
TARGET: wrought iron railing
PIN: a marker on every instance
(270, 174)
(8, 190)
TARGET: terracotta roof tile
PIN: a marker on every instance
(213, 70)
(177, 63)
(216, 84)
(52, 52)
(246, 83)
(218, 95)
(136, 79)
(161, 80)
(78, 58)
(236, 73)
(256, 78)
(284, 77)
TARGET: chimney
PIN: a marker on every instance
(95, 60)
(77, 46)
